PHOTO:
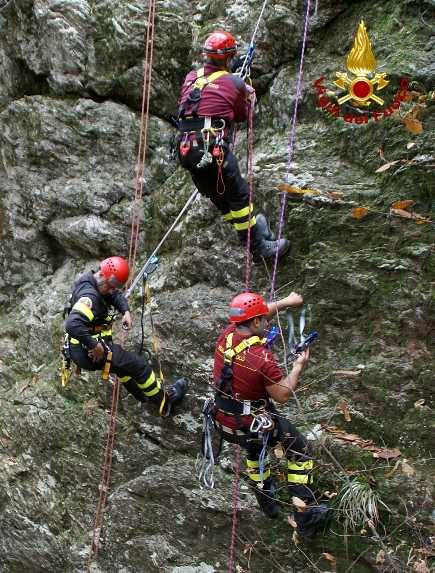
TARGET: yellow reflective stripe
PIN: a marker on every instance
(242, 212)
(100, 334)
(247, 343)
(200, 73)
(125, 378)
(257, 477)
(153, 392)
(103, 333)
(202, 81)
(253, 463)
(83, 309)
(243, 226)
(300, 466)
(151, 378)
(304, 478)
(228, 216)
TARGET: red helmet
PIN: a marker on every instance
(220, 45)
(247, 305)
(115, 270)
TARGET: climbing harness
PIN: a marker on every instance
(191, 105)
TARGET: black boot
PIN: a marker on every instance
(311, 520)
(262, 248)
(174, 395)
(266, 498)
(263, 226)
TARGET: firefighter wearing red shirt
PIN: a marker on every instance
(212, 99)
(89, 335)
(247, 377)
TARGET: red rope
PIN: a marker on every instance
(235, 498)
(134, 238)
(105, 476)
(143, 135)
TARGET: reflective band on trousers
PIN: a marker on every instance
(153, 385)
(83, 309)
(253, 470)
(102, 334)
(242, 212)
(243, 226)
(299, 472)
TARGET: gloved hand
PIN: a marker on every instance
(126, 321)
(237, 63)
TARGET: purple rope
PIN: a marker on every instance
(291, 143)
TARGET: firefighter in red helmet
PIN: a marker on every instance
(247, 378)
(212, 100)
(88, 326)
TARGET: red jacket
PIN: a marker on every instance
(226, 97)
(253, 370)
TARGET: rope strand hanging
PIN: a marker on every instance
(134, 236)
(291, 142)
(250, 170)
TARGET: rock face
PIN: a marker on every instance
(70, 94)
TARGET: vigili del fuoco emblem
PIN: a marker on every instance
(362, 84)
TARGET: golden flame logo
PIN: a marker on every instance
(361, 62)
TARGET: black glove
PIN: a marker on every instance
(237, 63)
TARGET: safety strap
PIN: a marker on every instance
(230, 352)
(194, 98)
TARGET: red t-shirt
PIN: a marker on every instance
(253, 370)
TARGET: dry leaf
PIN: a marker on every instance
(410, 145)
(359, 212)
(5, 441)
(342, 405)
(330, 558)
(335, 194)
(407, 469)
(396, 465)
(419, 403)
(330, 494)
(381, 153)
(386, 166)
(295, 190)
(347, 373)
(279, 452)
(401, 213)
(380, 557)
(295, 538)
(413, 125)
(421, 567)
(299, 504)
(405, 204)
(406, 215)
(385, 454)
(292, 522)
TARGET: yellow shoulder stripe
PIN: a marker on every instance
(83, 309)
